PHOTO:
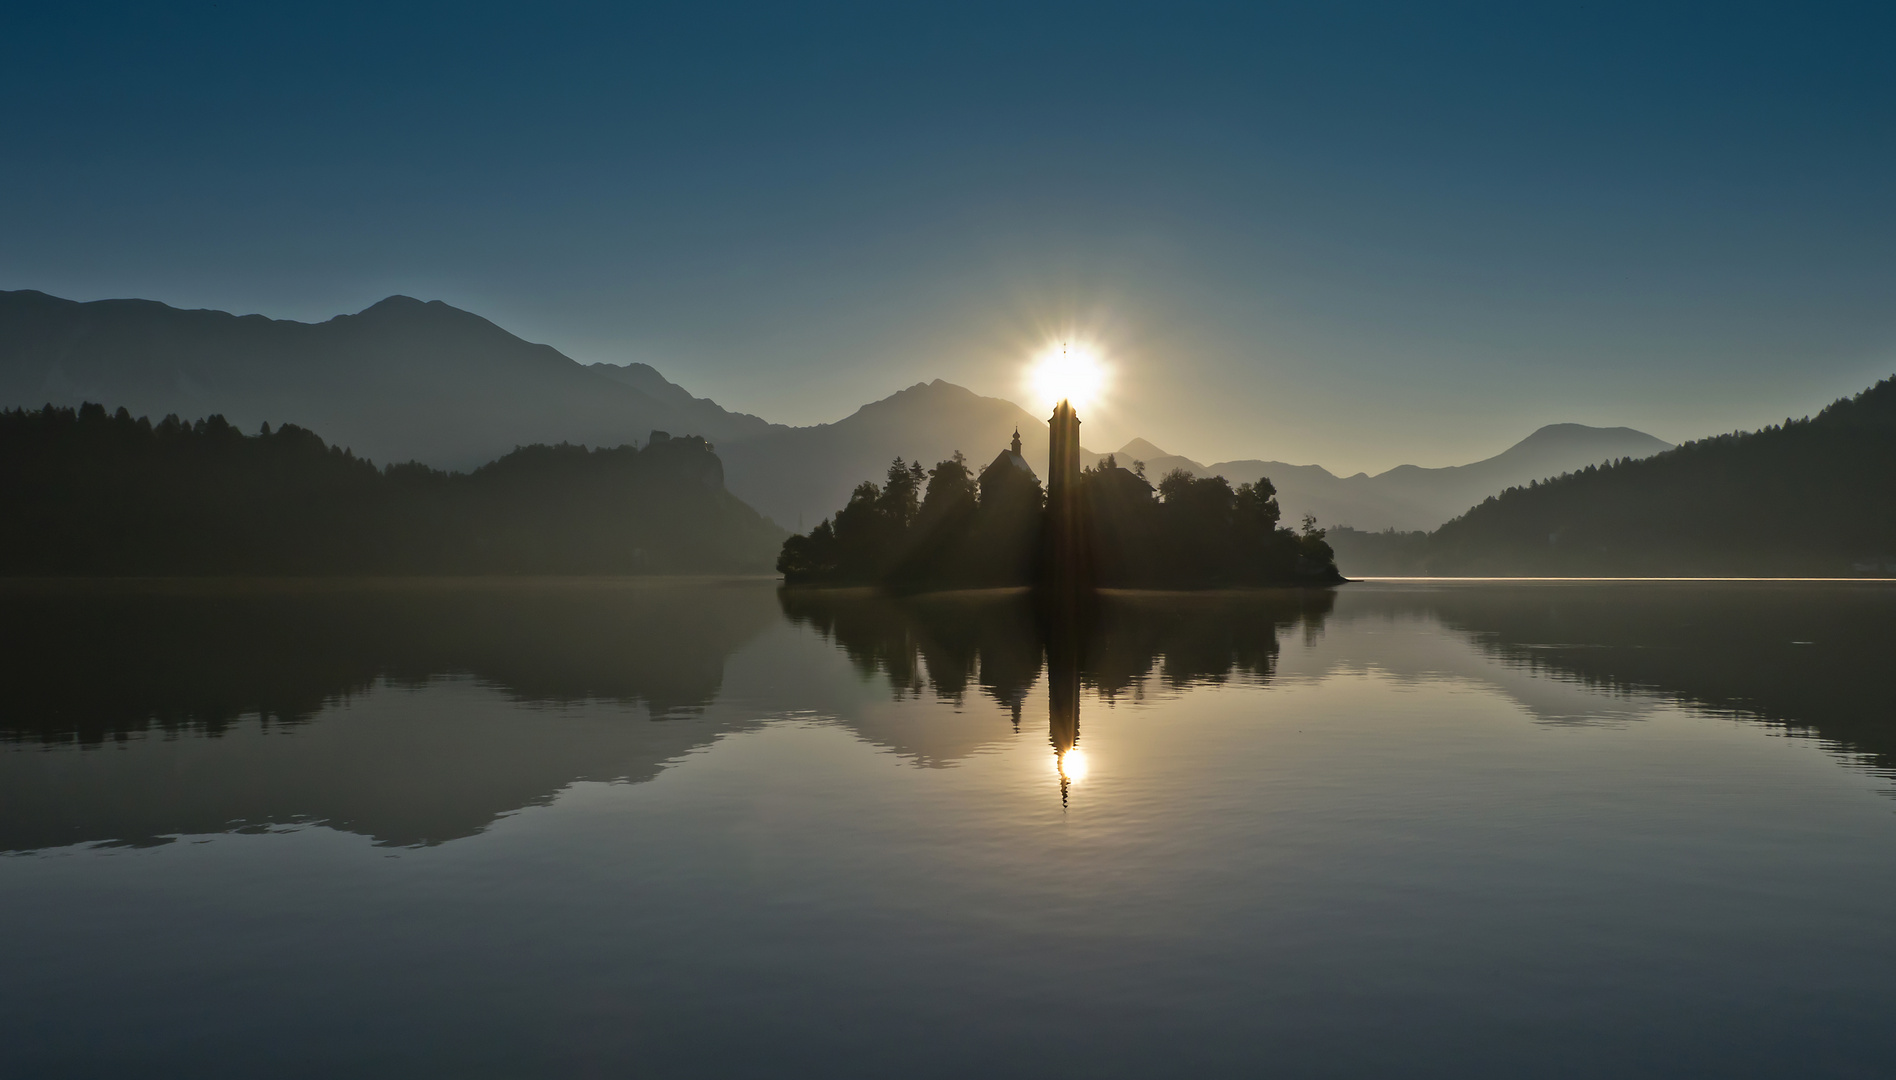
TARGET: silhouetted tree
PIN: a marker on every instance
(951, 491)
(1193, 531)
(92, 493)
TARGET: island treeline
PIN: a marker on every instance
(1810, 497)
(89, 492)
(945, 527)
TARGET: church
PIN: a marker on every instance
(1008, 479)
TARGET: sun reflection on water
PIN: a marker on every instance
(1071, 765)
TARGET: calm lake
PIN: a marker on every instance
(611, 828)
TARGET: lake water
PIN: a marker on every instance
(707, 829)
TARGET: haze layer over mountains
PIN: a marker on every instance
(412, 380)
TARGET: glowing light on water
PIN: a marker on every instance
(1071, 765)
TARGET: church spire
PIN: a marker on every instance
(1016, 446)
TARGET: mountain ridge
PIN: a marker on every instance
(1415, 497)
(410, 379)
(403, 379)
(1806, 498)
(802, 475)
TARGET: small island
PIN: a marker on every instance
(1105, 526)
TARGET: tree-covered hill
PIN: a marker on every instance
(92, 493)
(1810, 497)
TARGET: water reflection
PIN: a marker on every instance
(180, 697)
(423, 711)
(1467, 818)
(946, 643)
(88, 662)
(1064, 635)
(1111, 644)
(1808, 657)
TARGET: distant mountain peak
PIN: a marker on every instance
(922, 395)
(398, 301)
(935, 388)
(1566, 439)
(399, 306)
(399, 309)
(1141, 450)
(1570, 431)
(401, 379)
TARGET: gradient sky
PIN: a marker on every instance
(1343, 233)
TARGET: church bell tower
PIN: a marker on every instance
(1066, 557)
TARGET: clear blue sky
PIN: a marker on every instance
(1342, 233)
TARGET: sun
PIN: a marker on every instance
(1067, 372)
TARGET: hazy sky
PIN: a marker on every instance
(1341, 233)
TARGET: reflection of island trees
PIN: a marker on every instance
(154, 679)
(998, 639)
(1004, 639)
(943, 642)
(1808, 657)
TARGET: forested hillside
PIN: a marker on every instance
(92, 493)
(1810, 497)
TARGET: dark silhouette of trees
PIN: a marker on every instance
(1200, 532)
(92, 493)
(961, 531)
(1810, 497)
(988, 531)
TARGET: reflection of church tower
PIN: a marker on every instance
(1063, 688)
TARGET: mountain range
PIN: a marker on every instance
(801, 475)
(1410, 497)
(402, 380)
(411, 380)
(1814, 497)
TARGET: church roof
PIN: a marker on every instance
(1009, 457)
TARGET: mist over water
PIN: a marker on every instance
(718, 828)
